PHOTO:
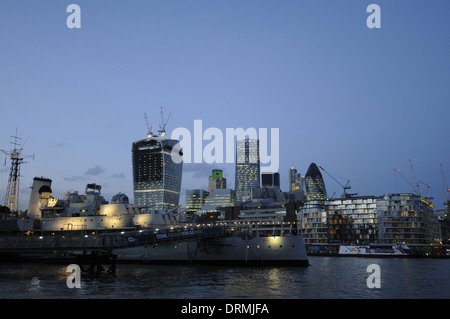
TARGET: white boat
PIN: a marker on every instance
(397, 250)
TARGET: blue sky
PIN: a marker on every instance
(360, 102)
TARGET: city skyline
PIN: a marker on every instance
(359, 102)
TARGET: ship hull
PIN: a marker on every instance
(274, 250)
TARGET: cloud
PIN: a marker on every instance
(118, 175)
(95, 171)
(55, 144)
(74, 178)
(200, 170)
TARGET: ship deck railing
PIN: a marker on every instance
(106, 241)
(262, 228)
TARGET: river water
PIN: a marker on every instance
(327, 277)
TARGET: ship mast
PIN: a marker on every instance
(12, 191)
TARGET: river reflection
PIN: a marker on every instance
(327, 277)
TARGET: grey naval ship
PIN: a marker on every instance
(262, 232)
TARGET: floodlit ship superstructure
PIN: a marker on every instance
(85, 213)
(257, 232)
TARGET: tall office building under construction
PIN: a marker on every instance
(156, 174)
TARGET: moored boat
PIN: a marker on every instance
(397, 250)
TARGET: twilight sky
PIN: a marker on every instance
(359, 102)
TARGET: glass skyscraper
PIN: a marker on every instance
(270, 180)
(156, 177)
(294, 180)
(220, 197)
(315, 186)
(247, 168)
(195, 199)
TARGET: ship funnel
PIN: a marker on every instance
(40, 184)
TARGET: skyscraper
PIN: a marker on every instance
(216, 180)
(216, 173)
(315, 186)
(294, 180)
(156, 177)
(247, 168)
(195, 199)
(221, 198)
(270, 180)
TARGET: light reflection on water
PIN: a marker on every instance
(327, 277)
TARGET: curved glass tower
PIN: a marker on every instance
(315, 186)
(156, 177)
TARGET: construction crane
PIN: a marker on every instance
(414, 188)
(445, 190)
(413, 178)
(428, 187)
(162, 126)
(149, 127)
(345, 187)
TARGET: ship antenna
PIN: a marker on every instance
(12, 192)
